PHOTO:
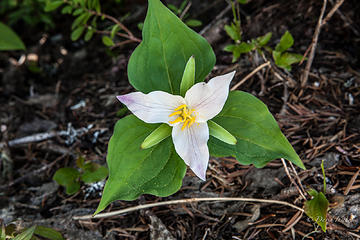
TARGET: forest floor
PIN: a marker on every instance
(75, 89)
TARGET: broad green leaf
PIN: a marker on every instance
(287, 59)
(317, 207)
(263, 40)
(26, 235)
(52, 5)
(107, 41)
(233, 32)
(9, 40)
(68, 177)
(99, 174)
(48, 233)
(259, 138)
(159, 61)
(76, 34)
(193, 23)
(285, 43)
(134, 171)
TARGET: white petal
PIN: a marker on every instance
(191, 145)
(154, 107)
(207, 99)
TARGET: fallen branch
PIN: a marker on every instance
(191, 200)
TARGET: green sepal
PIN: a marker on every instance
(188, 77)
(221, 133)
(159, 134)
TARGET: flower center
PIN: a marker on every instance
(185, 116)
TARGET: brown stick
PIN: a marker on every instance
(250, 75)
(190, 200)
(305, 76)
(332, 11)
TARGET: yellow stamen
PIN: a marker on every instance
(184, 125)
(185, 116)
(179, 119)
(180, 107)
(175, 113)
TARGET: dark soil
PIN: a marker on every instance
(76, 88)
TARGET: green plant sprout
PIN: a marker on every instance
(89, 173)
(280, 55)
(168, 69)
(317, 207)
(88, 13)
(32, 233)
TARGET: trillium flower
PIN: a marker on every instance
(187, 116)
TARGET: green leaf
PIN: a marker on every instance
(242, 48)
(317, 207)
(276, 56)
(52, 5)
(26, 235)
(48, 233)
(107, 41)
(233, 32)
(285, 43)
(68, 177)
(229, 48)
(95, 176)
(78, 11)
(114, 30)
(89, 34)
(134, 171)
(259, 138)
(82, 19)
(67, 10)
(188, 77)
(287, 59)
(159, 61)
(76, 34)
(193, 23)
(158, 135)
(9, 40)
(263, 40)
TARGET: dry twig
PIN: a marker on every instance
(250, 75)
(305, 76)
(191, 200)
